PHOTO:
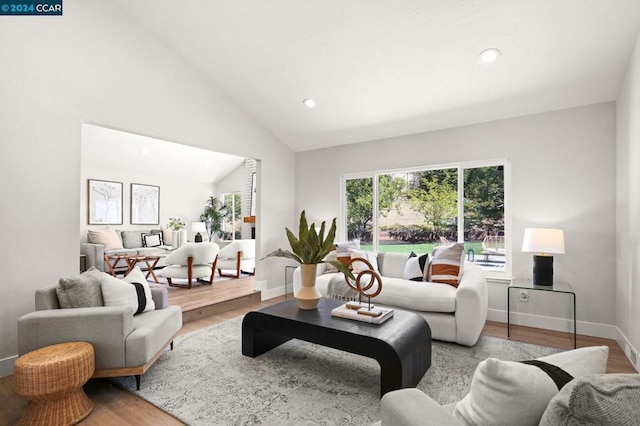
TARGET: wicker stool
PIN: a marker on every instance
(51, 379)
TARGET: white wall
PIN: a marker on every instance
(179, 195)
(563, 175)
(95, 65)
(628, 206)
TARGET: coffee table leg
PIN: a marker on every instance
(256, 341)
(151, 266)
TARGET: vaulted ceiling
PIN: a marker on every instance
(384, 68)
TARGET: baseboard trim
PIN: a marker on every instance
(272, 292)
(6, 365)
(628, 349)
(557, 324)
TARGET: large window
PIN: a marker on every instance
(232, 223)
(415, 210)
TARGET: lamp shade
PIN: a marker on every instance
(543, 241)
(198, 227)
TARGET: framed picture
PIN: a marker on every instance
(145, 204)
(105, 202)
(253, 194)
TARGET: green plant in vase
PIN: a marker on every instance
(309, 248)
(214, 211)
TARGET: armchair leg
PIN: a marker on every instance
(172, 345)
(138, 376)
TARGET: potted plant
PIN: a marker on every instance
(308, 249)
(179, 234)
(214, 212)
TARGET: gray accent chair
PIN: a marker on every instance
(124, 344)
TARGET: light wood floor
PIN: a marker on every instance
(115, 406)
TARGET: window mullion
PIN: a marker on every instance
(460, 205)
(376, 212)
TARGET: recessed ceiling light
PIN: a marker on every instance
(309, 103)
(145, 151)
(489, 56)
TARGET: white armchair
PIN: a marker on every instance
(239, 256)
(192, 260)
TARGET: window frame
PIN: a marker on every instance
(461, 166)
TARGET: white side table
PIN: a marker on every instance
(558, 288)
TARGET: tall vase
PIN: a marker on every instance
(308, 295)
(179, 237)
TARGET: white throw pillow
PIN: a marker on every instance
(371, 256)
(513, 393)
(108, 238)
(117, 292)
(138, 277)
(416, 268)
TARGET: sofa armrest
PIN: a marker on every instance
(95, 255)
(412, 407)
(160, 296)
(471, 305)
(105, 327)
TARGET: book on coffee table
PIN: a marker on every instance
(377, 315)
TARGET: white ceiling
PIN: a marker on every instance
(382, 68)
(117, 150)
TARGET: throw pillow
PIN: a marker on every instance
(416, 268)
(358, 266)
(80, 291)
(447, 263)
(107, 237)
(120, 293)
(510, 393)
(333, 255)
(596, 399)
(151, 240)
(139, 281)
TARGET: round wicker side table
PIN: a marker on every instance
(51, 378)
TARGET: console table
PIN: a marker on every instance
(401, 345)
(556, 288)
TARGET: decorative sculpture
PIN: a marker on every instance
(358, 286)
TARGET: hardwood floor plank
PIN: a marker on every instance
(116, 406)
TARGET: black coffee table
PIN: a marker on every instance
(401, 345)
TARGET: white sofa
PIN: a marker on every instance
(454, 314)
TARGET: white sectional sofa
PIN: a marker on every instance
(454, 314)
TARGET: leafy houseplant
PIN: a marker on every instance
(214, 212)
(308, 249)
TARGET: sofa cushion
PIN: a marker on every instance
(447, 263)
(596, 400)
(371, 256)
(132, 239)
(137, 277)
(117, 292)
(151, 240)
(107, 237)
(509, 393)
(392, 264)
(418, 296)
(80, 291)
(416, 267)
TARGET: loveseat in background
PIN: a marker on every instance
(131, 243)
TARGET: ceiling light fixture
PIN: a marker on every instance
(489, 56)
(309, 103)
(145, 151)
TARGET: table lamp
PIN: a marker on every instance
(544, 242)
(198, 227)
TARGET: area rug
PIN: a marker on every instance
(206, 380)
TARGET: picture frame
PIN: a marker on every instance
(104, 202)
(253, 195)
(145, 204)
